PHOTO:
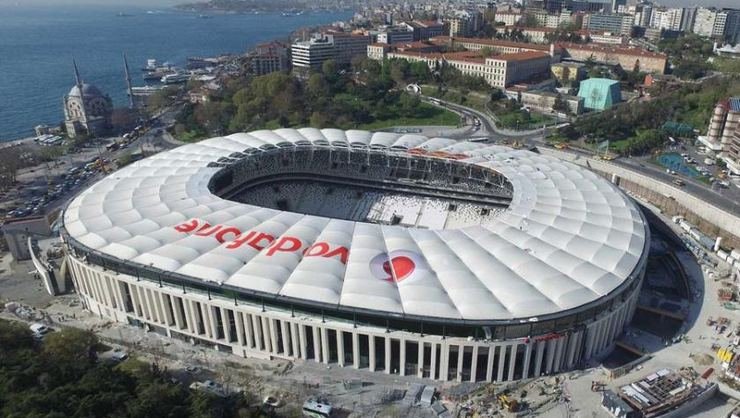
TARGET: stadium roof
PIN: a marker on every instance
(568, 238)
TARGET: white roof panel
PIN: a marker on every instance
(567, 238)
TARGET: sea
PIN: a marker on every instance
(38, 44)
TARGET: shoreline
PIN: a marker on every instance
(24, 138)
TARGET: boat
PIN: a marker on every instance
(176, 78)
(151, 65)
(145, 90)
(157, 74)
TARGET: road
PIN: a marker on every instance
(728, 202)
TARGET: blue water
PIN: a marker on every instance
(37, 46)
(676, 163)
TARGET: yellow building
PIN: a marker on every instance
(568, 73)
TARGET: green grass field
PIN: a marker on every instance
(428, 115)
(475, 100)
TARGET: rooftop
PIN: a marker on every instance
(568, 239)
(613, 49)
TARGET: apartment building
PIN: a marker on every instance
(395, 36)
(466, 23)
(269, 57)
(339, 46)
(723, 135)
(607, 22)
(423, 30)
(509, 18)
(710, 22)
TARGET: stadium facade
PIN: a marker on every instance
(171, 243)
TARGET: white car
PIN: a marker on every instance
(39, 330)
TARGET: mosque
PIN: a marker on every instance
(87, 111)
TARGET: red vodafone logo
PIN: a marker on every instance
(234, 239)
(395, 266)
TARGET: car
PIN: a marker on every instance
(118, 355)
(39, 330)
(679, 182)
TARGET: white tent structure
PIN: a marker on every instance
(568, 241)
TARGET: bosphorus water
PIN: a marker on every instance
(37, 46)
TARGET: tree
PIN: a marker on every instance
(329, 68)
(319, 120)
(408, 104)
(561, 105)
(10, 162)
(71, 345)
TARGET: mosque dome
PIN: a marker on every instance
(87, 89)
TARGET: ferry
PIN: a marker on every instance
(157, 75)
(151, 65)
(175, 78)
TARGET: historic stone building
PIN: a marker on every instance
(87, 111)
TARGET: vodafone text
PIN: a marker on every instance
(235, 239)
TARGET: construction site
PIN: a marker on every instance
(681, 348)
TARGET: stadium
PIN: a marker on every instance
(393, 253)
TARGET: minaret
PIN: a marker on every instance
(129, 89)
(78, 83)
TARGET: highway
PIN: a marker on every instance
(727, 199)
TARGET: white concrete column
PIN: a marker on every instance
(388, 353)
(285, 337)
(158, 308)
(213, 320)
(433, 361)
(460, 354)
(134, 299)
(355, 350)
(257, 329)
(501, 357)
(316, 344)
(572, 341)
(272, 327)
(402, 355)
(193, 318)
(248, 330)
(538, 358)
(225, 323)
(527, 358)
(371, 352)
(116, 289)
(296, 341)
(420, 359)
(550, 356)
(589, 342)
(558, 354)
(512, 362)
(340, 348)
(176, 303)
(474, 364)
(239, 319)
(145, 306)
(166, 305)
(325, 345)
(444, 353)
(489, 366)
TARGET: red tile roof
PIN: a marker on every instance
(613, 49)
